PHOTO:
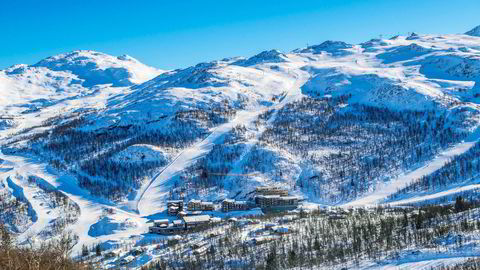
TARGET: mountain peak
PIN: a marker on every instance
(334, 47)
(99, 68)
(474, 32)
(270, 56)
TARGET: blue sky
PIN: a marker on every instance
(175, 34)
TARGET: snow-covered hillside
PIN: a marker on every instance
(335, 123)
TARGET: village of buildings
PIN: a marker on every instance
(192, 216)
(193, 228)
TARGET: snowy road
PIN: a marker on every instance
(435, 195)
(384, 190)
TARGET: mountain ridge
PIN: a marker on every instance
(474, 32)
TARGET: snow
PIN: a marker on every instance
(403, 53)
(437, 195)
(421, 264)
(42, 213)
(383, 190)
(418, 72)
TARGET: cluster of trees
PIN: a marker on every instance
(52, 255)
(460, 169)
(212, 117)
(212, 169)
(13, 212)
(366, 143)
(330, 239)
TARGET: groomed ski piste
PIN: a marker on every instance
(132, 218)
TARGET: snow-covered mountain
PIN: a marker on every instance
(96, 68)
(474, 32)
(336, 123)
(78, 77)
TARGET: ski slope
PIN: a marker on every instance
(383, 190)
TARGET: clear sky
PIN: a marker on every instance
(178, 33)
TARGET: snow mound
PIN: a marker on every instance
(107, 226)
(336, 48)
(140, 153)
(98, 68)
(403, 53)
(272, 56)
(475, 32)
(451, 67)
